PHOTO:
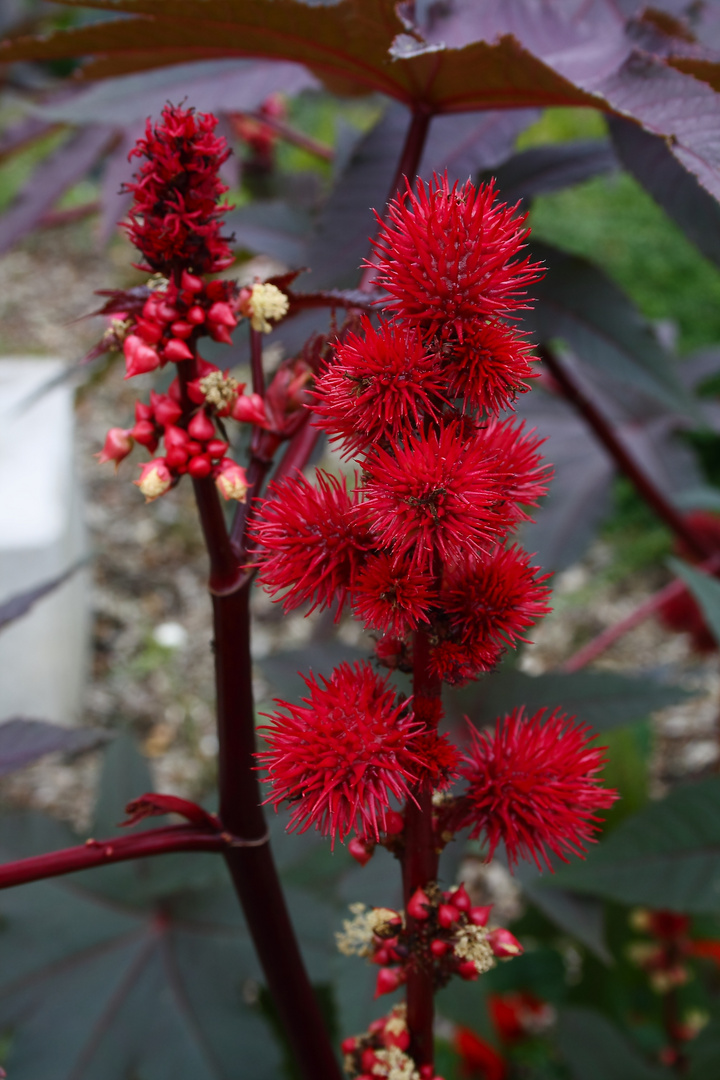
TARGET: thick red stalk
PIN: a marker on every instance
(609, 438)
(408, 165)
(252, 867)
(608, 637)
(118, 849)
(256, 362)
(420, 862)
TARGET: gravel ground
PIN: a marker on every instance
(151, 660)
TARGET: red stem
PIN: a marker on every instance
(118, 849)
(420, 860)
(608, 637)
(298, 138)
(407, 167)
(258, 375)
(574, 392)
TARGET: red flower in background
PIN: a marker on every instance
(532, 783)
(175, 218)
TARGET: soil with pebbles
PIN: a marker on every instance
(151, 658)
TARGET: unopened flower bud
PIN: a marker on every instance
(447, 915)
(438, 948)
(216, 448)
(165, 410)
(349, 1045)
(503, 943)
(155, 479)
(176, 350)
(466, 970)
(196, 315)
(201, 427)
(139, 357)
(190, 282)
(182, 329)
(394, 823)
(250, 409)
(360, 850)
(118, 444)
(144, 433)
(200, 466)
(418, 905)
(231, 482)
(460, 898)
(223, 314)
(479, 916)
(388, 980)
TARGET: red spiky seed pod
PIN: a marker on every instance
(533, 784)
(342, 756)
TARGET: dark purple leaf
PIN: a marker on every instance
(650, 161)
(578, 303)
(211, 86)
(549, 168)
(25, 131)
(466, 143)
(593, 1048)
(19, 604)
(23, 741)
(53, 176)
(346, 223)
(115, 203)
(271, 228)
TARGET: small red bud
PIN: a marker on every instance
(196, 392)
(176, 457)
(467, 970)
(504, 944)
(418, 905)
(388, 980)
(460, 899)
(216, 448)
(199, 466)
(166, 312)
(194, 447)
(144, 433)
(447, 915)
(377, 1026)
(222, 313)
(201, 427)
(176, 437)
(427, 1072)
(349, 1045)
(174, 391)
(401, 1039)
(181, 329)
(215, 290)
(139, 357)
(438, 948)
(176, 351)
(149, 331)
(118, 444)
(166, 411)
(360, 850)
(479, 916)
(190, 282)
(196, 315)
(394, 823)
(382, 956)
(143, 411)
(368, 1059)
(220, 333)
(249, 408)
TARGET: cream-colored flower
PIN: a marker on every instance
(266, 302)
(394, 1064)
(219, 390)
(471, 943)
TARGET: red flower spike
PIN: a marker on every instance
(496, 598)
(312, 541)
(379, 386)
(361, 850)
(388, 980)
(418, 906)
(455, 663)
(118, 444)
(504, 944)
(436, 496)
(533, 784)
(341, 757)
(526, 477)
(392, 597)
(451, 255)
(175, 216)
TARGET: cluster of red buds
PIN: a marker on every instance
(381, 1053)
(445, 934)
(175, 223)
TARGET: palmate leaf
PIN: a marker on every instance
(23, 741)
(346, 45)
(669, 850)
(143, 973)
(21, 603)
